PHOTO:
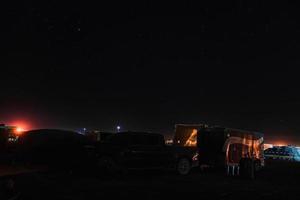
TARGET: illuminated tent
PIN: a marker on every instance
(218, 145)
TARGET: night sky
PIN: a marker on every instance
(147, 66)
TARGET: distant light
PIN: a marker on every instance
(21, 126)
(267, 146)
(118, 128)
(170, 141)
(19, 130)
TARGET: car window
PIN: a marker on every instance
(139, 140)
(118, 139)
(135, 140)
(145, 140)
(153, 140)
(157, 140)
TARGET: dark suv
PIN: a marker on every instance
(138, 150)
(55, 148)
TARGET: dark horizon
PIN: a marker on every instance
(147, 66)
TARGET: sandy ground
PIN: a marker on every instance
(279, 180)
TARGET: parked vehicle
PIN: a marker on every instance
(138, 150)
(54, 148)
(289, 153)
(221, 147)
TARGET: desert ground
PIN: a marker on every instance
(278, 180)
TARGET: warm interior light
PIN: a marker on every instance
(192, 140)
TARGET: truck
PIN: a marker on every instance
(221, 147)
(125, 151)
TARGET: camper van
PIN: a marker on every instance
(221, 147)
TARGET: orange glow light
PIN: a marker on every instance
(19, 130)
(192, 140)
(280, 144)
(20, 125)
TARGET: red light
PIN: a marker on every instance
(19, 130)
(20, 125)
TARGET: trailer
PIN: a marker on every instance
(221, 147)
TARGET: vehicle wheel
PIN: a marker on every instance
(183, 166)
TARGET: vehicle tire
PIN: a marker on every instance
(183, 166)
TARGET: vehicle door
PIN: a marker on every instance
(159, 155)
(139, 151)
(118, 147)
